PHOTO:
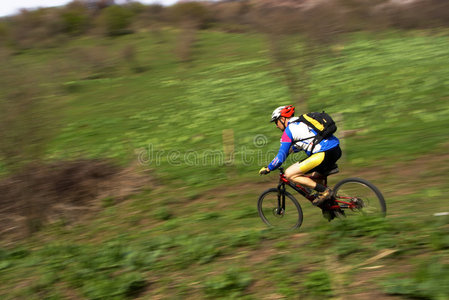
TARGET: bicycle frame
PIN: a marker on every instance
(304, 191)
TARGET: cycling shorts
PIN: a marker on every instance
(321, 162)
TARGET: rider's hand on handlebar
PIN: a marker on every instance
(264, 171)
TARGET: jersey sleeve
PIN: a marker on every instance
(286, 143)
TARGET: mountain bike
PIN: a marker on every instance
(278, 208)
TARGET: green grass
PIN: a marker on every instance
(398, 85)
(183, 240)
(153, 112)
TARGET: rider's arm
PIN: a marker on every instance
(286, 143)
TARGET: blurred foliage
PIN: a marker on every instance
(116, 20)
(92, 270)
(186, 41)
(26, 125)
(91, 63)
(3, 32)
(34, 29)
(318, 284)
(44, 27)
(190, 12)
(430, 281)
(229, 284)
(192, 249)
(130, 55)
(162, 213)
(75, 18)
(135, 96)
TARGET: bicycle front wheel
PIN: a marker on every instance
(362, 194)
(274, 216)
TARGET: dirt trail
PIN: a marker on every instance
(407, 177)
(71, 190)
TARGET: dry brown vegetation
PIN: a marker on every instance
(62, 191)
(318, 20)
(26, 123)
(185, 42)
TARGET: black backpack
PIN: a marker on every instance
(321, 123)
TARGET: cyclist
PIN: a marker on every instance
(298, 136)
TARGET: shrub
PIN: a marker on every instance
(199, 249)
(38, 28)
(93, 62)
(346, 246)
(358, 226)
(430, 281)
(439, 237)
(142, 259)
(151, 17)
(129, 54)
(231, 14)
(192, 13)
(3, 32)
(229, 284)
(318, 283)
(25, 122)
(75, 18)
(185, 42)
(245, 238)
(162, 214)
(135, 8)
(106, 287)
(116, 20)
(207, 216)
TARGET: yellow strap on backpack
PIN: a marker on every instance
(315, 123)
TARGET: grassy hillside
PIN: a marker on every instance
(196, 233)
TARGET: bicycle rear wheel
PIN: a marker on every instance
(272, 215)
(366, 196)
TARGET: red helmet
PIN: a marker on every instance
(283, 111)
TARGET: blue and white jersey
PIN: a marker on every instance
(298, 136)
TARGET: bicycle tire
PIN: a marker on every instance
(268, 208)
(372, 205)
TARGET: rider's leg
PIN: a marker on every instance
(317, 177)
(298, 177)
(297, 173)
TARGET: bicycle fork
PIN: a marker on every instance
(281, 199)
